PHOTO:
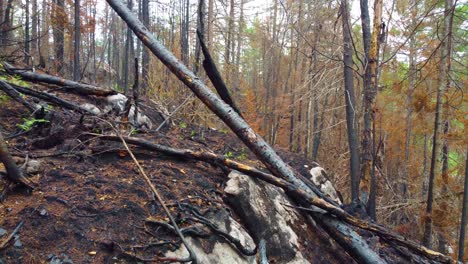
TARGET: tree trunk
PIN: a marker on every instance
(59, 35)
(350, 102)
(412, 83)
(201, 29)
(35, 29)
(443, 75)
(145, 57)
(76, 57)
(461, 240)
(27, 39)
(209, 33)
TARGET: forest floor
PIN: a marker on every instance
(90, 203)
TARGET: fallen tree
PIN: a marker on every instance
(71, 86)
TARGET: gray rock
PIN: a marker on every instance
(116, 102)
(222, 251)
(34, 166)
(2, 232)
(18, 244)
(262, 208)
(91, 108)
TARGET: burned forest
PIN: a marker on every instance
(233, 131)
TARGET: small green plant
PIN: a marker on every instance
(3, 98)
(183, 125)
(193, 133)
(30, 123)
(229, 154)
(133, 132)
(242, 155)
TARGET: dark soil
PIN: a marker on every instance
(90, 203)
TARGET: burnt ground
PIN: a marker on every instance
(90, 203)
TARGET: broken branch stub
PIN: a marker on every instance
(14, 173)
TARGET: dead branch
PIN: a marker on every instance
(203, 220)
(14, 173)
(70, 86)
(12, 234)
(214, 75)
(50, 98)
(10, 91)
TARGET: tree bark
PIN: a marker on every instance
(59, 34)
(76, 57)
(350, 102)
(461, 240)
(27, 38)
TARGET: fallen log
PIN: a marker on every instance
(50, 98)
(10, 91)
(69, 86)
(327, 220)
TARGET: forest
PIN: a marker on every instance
(146, 131)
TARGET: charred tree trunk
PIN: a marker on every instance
(461, 240)
(59, 34)
(350, 102)
(27, 39)
(145, 61)
(76, 57)
(67, 85)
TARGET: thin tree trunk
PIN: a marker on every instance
(412, 83)
(145, 57)
(76, 57)
(461, 240)
(59, 35)
(350, 102)
(209, 33)
(201, 29)
(444, 58)
(34, 27)
(27, 39)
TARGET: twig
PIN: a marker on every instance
(7, 239)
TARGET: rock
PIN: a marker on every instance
(267, 217)
(220, 248)
(116, 102)
(62, 259)
(142, 119)
(320, 178)
(2, 232)
(91, 108)
(34, 166)
(289, 236)
(18, 243)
